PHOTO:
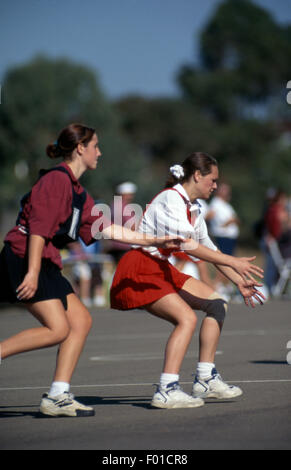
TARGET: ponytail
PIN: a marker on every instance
(196, 161)
(68, 140)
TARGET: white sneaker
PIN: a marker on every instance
(64, 405)
(214, 387)
(99, 301)
(87, 301)
(173, 397)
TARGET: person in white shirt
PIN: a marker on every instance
(145, 279)
(224, 227)
(224, 222)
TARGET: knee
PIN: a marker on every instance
(84, 324)
(88, 323)
(216, 307)
(61, 333)
(189, 321)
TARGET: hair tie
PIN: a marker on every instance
(177, 171)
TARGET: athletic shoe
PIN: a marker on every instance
(99, 301)
(64, 405)
(173, 397)
(214, 387)
(86, 301)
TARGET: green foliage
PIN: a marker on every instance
(244, 54)
(39, 99)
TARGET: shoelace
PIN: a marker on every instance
(68, 399)
(213, 376)
(70, 395)
(170, 388)
(217, 376)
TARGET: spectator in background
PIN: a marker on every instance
(126, 192)
(81, 272)
(224, 226)
(276, 227)
(96, 292)
(285, 239)
(87, 274)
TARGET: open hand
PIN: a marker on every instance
(249, 291)
(246, 269)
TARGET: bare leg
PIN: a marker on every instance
(51, 314)
(80, 322)
(208, 339)
(173, 309)
(195, 292)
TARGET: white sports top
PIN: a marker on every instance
(172, 213)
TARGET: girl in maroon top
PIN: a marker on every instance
(55, 212)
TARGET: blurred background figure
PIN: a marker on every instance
(125, 193)
(87, 274)
(81, 273)
(276, 230)
(285, 240)
(224, 227)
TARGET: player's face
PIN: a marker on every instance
(208, 183)
(92, 153)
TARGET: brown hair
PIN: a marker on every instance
(68, 140)
(195, 161)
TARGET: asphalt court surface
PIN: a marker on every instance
(123, 358)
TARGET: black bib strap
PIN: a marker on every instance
(69, 230)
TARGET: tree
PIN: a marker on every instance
(243, 60)
(39, 99)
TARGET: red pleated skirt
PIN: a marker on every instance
(141, 279)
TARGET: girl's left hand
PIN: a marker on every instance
(28, 287)
(249, 292)
(245, 268)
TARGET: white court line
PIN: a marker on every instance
(141, 384)
(141, 356)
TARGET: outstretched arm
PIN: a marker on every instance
(125, 235)
(242, 266)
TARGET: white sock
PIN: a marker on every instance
(204, 369)
(57, 388)
(166, 379)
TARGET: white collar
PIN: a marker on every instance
(193, 206)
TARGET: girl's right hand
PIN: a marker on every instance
(246, 269)
(169, 242)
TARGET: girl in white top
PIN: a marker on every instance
(145, 279)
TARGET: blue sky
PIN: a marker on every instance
(135, 46)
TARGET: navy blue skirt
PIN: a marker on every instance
(51, 283)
